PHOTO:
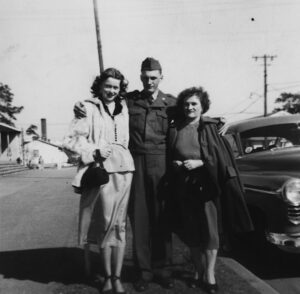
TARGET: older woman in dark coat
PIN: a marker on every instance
(207, 186)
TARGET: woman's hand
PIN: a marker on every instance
(103, 152)
(177, 164)
(191, 164)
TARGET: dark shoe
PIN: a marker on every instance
(193, 283)
(166, 282)
(211, 288)
(114, 279)
(108, 291)
(141, 285)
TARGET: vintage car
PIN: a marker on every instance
(267, 152)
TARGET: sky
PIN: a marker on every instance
(49, 59)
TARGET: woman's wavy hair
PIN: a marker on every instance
(109, 73)
(189, 92)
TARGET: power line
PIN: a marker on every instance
(284, 88)
(247, 107)
(285, 83)
(241, 102)
(253, 102)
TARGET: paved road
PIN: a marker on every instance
(39, 218)
(38, 210)
(281, 270)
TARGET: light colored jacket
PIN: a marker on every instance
(97, 130)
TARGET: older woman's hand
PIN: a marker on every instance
(176, 164)
(191, 164)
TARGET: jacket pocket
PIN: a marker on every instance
(136, 119)
(161, 124)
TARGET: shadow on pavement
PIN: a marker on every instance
(43, 265)
(64, 265)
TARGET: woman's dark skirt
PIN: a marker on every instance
(196, 209)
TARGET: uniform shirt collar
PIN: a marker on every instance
(155, 94)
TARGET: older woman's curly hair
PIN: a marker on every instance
(193, 91)
(109, 73)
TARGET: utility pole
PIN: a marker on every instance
(22, 147)
(98, 36)
(265, 58)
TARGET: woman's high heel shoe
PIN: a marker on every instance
(193, 283)
(114, 279)
(208, 287)
(108, 291)
(196, 281)
(211, 288)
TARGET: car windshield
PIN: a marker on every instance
(270, 137)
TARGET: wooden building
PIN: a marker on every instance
(10, 143)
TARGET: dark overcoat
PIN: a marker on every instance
(227, 187)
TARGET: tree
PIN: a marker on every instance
(7, 110)
(288, 102)
(32, 130)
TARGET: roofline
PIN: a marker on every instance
(251, 123)
(10, 127)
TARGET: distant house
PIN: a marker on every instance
(37, 151)
(10, 143)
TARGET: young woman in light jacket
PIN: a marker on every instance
(104, 130)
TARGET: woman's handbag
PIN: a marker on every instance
(95, 176)
(198, 184)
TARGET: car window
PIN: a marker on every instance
(270, 137)
(232, 141)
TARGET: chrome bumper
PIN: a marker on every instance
(285, 241)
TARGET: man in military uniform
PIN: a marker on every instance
(148, 124)
(149, 118)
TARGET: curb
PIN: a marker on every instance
(253, 280)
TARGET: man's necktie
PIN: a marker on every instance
(150, 99)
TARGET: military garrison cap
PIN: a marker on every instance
(150, 64)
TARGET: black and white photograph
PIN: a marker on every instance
(149, 146)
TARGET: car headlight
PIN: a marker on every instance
(291, 191)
